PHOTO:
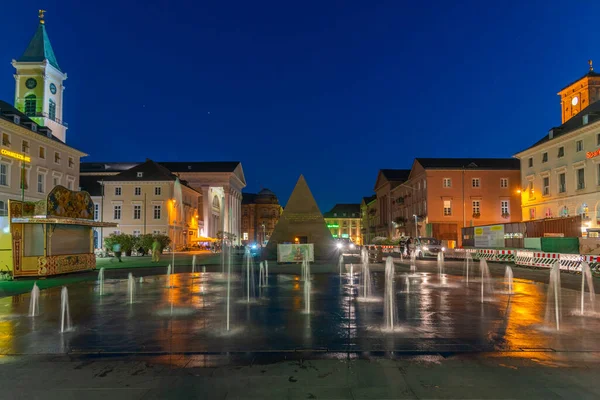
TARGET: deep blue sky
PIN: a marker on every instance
(334, 90)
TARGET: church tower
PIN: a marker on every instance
(580, 94)
(39, 83)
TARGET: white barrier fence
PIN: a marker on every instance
(568, 262)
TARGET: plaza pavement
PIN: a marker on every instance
(531, 375)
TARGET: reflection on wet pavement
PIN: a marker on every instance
(438, 315)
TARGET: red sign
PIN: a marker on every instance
(592, 154)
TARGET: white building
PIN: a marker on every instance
(560, 174)
(34, 156)
(218, 184)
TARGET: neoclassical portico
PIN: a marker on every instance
(221, 187)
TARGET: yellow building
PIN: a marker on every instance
(560, 173)
(344, 222)
(142, 200)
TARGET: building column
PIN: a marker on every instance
(206, 210)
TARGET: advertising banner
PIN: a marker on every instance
(489, 236)
(295, 253)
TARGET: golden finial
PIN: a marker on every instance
(41, 16)
(591, 67)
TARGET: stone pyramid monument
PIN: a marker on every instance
(302, 219)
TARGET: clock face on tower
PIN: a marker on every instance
(575, 100)
(31, 83)
(52, 88)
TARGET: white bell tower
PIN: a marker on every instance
(39, 83)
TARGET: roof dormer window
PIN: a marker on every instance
(140, 174)
(17, 120)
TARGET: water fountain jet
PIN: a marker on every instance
(130, 287)
(34, 302)
(586, 275)
(553, 297)
(65, 316)
(101, 281)
(508, 279)
(389, 304)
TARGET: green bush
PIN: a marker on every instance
(164, 241)
(144, 241)
(126, 241)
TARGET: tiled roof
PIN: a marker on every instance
(40, 49)
(203, 166)
(396, 174)
(341, 209)
(370, 199)
(150, 171)
(576, 122)
(91, 184)
(469, 163)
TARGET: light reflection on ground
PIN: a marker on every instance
(437, 314)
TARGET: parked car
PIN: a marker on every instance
(427, 247)
(345, 244)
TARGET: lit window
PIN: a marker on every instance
(117, 191)
(30, 105)
(548, 213)
(504, 207)
(562, 182)
(137, 191)
(52, 110)
(117, 212)
(579, 146)
(3, 174)
(157, 191)
(40, 183)
(476, 208)
(447, 182)
(545, 157)
(564, 211)
(546, 186)
(157, 210)
(561, 152)
(447, 207)
(503, 182)
(580, 179)
(476, 182)
(137, 212)
(532, 213)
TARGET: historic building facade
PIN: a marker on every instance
(443, 195)
(219, 185)
(560, 173)
(143, 199)
(34, 156)
(387, 180)
(344, 222)
(368, 212)
(260, 213)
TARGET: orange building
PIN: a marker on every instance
(447, 194)
(260, 213)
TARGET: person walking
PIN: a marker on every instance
(156, 251)
(117, 250)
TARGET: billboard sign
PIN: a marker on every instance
(489, 236)
(295, 253)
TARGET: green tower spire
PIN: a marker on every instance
(39, 48)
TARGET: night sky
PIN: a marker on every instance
(334, 90)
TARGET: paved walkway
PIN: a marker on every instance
(256, 376)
